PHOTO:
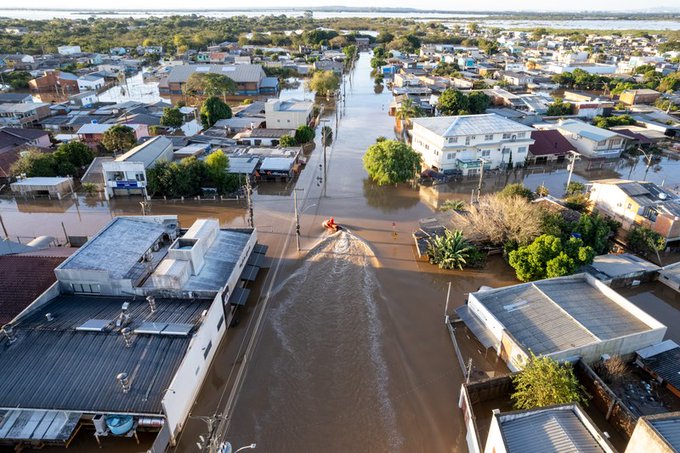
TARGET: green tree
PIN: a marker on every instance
(517, 190)
(119, 139)
(446, 70)
(18, 80)
(34, 163)
(288, 141)
(478, 102)
(324, 83)
(549, 256)
(452, 251)
(75, 152)
(304, 134)
(391, 162)
(594, 230)
(542, 190)
(453, 205)
(407, 110)
(172, 117)
(606, 122)
(452, 102)
(646, 242)
(559, 108)
(545, 382)
(213, 110)
(575, 188)
(210, 84)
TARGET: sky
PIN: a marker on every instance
(456, 5)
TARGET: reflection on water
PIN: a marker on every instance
(329, 354)
(389, 198)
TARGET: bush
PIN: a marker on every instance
(613, 370)
(119, 139)
(172, 117)
(595, 231)
(89, 188)
(304, 134)
(453, 205)
(550, 256)
(578, 202)
(453, 251)
(214, 109)
(575, 188)
(288, 141)
(545, 382)
(391, 162)
(65, 161)
(517, 190)
(542, 191)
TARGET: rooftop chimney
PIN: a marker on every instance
(9, 331)
(124, 382)
(127, 336)
(152, 303)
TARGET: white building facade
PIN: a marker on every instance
(591, 141)
(452, 144)
(289, 114)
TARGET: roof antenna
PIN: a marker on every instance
(9, 331)
(124, 382)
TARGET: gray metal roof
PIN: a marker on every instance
(665, 364)
(587, 130)
(239, 73)
(558, 314)
(117, 248)
(453, 126)
(556, 429)
(669, 428)
(51, 365)
(148, 152)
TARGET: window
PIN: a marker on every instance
(453, 139)
(220, 322)
(488, 137)
(449, 156)
(139, 176)
(207, 349)
(467, 140)
(522, 149)
(486, 152)
(506, 136)
(521, 134)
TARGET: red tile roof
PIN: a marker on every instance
(24, 278)
(549, 142)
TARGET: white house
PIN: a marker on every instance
(126, 174)
(90, 82)
(68, 50)
(289, 114)
(460, 143)
(591, 141)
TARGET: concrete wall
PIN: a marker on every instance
(186, 384)
(646, 439)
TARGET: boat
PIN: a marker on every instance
(330, 224)
(119, 424)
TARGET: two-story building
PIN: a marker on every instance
(92, 133)
(590, 141)
(23, 114)
(90, 82)
(289, 114)
(250, 79)
(638, 204)
(461, 143)
(126, 174)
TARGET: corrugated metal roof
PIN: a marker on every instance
(453, 126)
(556, 429)
(53, 366)
(669, 428)
(666, 365)
(239, 73)
(587, 130)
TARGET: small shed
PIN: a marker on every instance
(622, 270)
(277, 167)
(52, 187)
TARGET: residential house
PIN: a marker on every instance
(55, 82)
(262, 137)
(462, 143)
(18, 61)
(554, 428)
(590, 141)
(15, 98)
(145, 305)
(250, 79)
(662, 362)
(641, 96)
(636, 203)
(518, 79)
(126, 174)
(68, 50)
(548, 146)
(23, 114)
(288, 114)
(329, 65)
(92, 133)
(91, 82)
(549, 318)
(10, 138)
(52, 187)
(657, 433)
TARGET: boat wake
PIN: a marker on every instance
(332, 376)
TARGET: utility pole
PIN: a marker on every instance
(481, 176)
(648, 157)
(249, 197)
(297, 219)
(468, 372)
(446, 308)
(573, 157)
(4, 229)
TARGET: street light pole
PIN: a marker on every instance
(573, 157)
(297, 219)
(481, 176)
(446, 308)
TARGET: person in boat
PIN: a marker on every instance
(331, 223)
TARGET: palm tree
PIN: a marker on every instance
(407, 110)
(450, 251)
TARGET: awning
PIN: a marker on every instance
(256, 259)
(250, 273)
(476, 327)
(38, 425)
(239, 296)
